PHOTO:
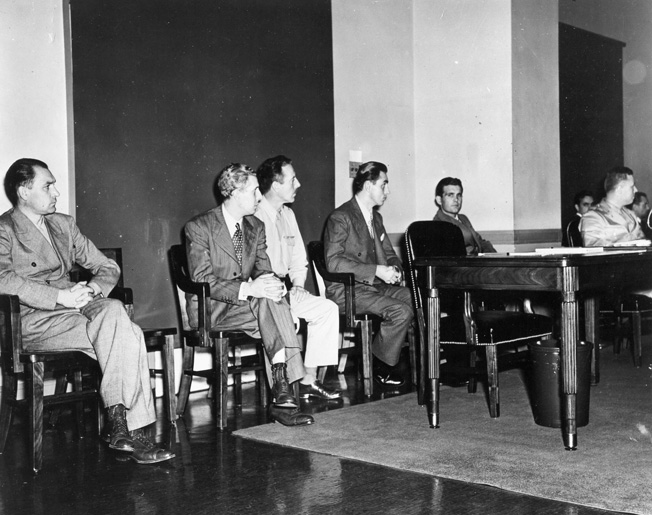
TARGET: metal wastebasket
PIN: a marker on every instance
(546, 385)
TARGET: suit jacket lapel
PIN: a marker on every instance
(222, 236)
(381, 257)
(248, 246)
(32, 238)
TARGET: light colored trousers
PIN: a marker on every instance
(322, 316)
(102, 329)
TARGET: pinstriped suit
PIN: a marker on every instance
(212, 259)
(35, 271)
(348, 247)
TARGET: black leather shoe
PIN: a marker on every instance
(117, 432)
(146, 451)
(318, 391)
(281, 392)
(290, 417)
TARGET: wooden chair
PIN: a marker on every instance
(573, 235)
(463, 325)
(156, 339)
(17, 363)
(360, 325)
(221, 340)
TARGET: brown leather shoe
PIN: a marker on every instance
(146, 451)
(117, 432)
(281, 395)
(290, 417)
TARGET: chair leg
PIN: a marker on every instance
(186, 378)
(221, 369)
(473, 377)
(261, 376)
(79, 406)
(636, 336)
(413, 355)
(35, 396)
(366, 333)
(492, 379)
(7, 403)
(237, 378)
(167, 357)
(60, 387)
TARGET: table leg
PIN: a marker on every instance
(569, 337)
(432, 328)
(592, 331)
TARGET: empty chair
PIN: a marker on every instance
(465, 326)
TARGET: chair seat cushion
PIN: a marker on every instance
(496, 327)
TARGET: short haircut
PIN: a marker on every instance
(615, 176)
(580, 195)
(232, 178)
(447, 181)
(638, 197)
(271, 170)
(21, 173)
(369, 171)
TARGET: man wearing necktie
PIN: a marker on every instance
(279, 184)
(38, 248)
(226, 248)
(448, 196)
(355, 241)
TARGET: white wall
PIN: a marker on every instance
(33, 96)
(374, 99)
(463, 106)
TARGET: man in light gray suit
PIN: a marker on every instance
(226, 249)
(355, 241)
(38, 248)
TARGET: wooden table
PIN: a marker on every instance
(574, 277)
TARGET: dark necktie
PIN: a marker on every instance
(237, 242)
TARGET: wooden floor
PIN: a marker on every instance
(216, 473)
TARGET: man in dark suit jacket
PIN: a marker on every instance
(355, 241)
(38, 248)
(448, 196)
(226, 249)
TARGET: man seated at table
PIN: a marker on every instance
(583, 202)
(448, 196)
(641, 208)
(610, 222)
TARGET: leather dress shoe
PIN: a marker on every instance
(319, 391)
(117, 432)
(281, 395)
(146, 451)
(290, 417)
(388, 378)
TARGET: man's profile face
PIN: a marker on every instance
(642, 208)
(584, 205)
(625, 191)
(379, 190)
(287, 190)
(41, 197)
(450, 200)
(248, 197)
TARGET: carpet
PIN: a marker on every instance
(612, 468)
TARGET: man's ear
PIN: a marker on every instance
(438, 200)
(22, 192)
